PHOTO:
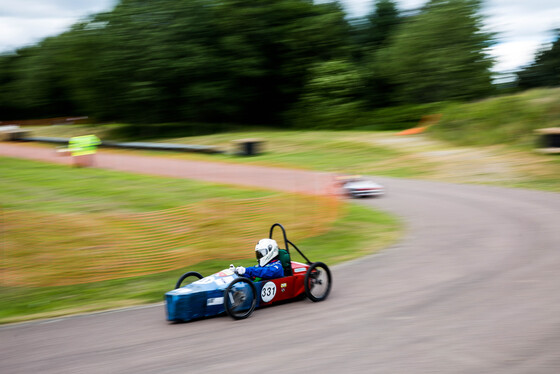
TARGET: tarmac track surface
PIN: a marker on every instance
(472, 288)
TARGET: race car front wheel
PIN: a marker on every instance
(185, 276)
(317, 282)
(240, 298)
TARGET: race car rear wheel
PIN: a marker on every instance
(317, 282)
(240, 298)
(185, 276)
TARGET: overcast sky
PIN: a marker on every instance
(523, 26)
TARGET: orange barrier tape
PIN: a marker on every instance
(42, 249)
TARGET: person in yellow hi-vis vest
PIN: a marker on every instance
(83, 149)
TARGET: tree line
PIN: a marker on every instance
(267, 62)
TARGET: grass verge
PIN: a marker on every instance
(508, 119)
(59, 191)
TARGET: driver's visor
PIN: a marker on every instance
(261, 253)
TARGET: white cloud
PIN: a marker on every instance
(522, 28)
(19, 32)
(52, 8)
(26, 22)
(512, 55)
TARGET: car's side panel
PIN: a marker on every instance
(205, 297)
(299, 271)
(274, 290)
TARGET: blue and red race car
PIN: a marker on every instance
(226, 291)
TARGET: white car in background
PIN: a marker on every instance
(357, 186)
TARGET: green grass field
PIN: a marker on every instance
(52, 213)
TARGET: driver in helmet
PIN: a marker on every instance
(269, 265)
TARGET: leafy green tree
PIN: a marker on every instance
(440, 54)
(180, 60)
(147, 52)
(384, 21)
(330, 99)
(370, 32)
(90, 68)
(49, 79)
(269, 46)
(248, 61)
(37, 82)
(545, 70)
(213, 61)
(10, 95)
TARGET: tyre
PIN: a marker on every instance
(240, 298)
(185, 276)
(317, 282)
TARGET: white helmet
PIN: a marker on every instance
(266, 250)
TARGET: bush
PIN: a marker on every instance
(398, 117)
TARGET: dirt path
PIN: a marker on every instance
(280, 179)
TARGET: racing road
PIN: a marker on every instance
(473, 287)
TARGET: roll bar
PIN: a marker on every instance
(286, 241)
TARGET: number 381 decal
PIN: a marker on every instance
(268, 291)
